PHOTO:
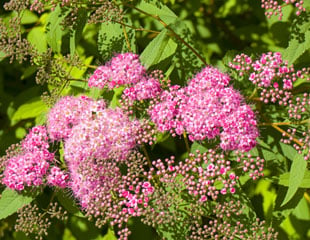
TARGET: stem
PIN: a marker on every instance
(134, 28)
(186, 143)
(284, 123)
(78, 80)
(307, 197)
(126, 38)
(91, 66)
(147, 156)
(287, 134)
(171, 30)
(253, 94)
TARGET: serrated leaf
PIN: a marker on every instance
(297, 174)
(159, 49)
(55, 29)
(77, 31)
(300, 39)
(111, 36)
(158, 9)
(31, 109)
(37, 38)
(305, 183)
(11, 201)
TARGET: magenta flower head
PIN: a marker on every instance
(205, 109)
(68, 112)
(208, 78)
(57, 178)
(111, 135)
(123, 69)
(36, 139)
(26, 169)
(145, 89)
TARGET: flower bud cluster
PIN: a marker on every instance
(225, 227)
(271, 74)
(205, 176)
(273, 7)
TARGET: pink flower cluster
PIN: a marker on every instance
(126, 69)
(135, 197)
(123, 69)
(29, 167)
(207, 108)
(145, 89)
(273, 7)
(57, 177)
(68, 112)
(110, 135)
(270, 74)
(92, 133)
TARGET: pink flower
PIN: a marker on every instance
(57, 177)
(27, 169)
(123, 69)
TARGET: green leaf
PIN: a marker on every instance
(31, 109)
(37, 38)
(112, 36)
(158, 9)
(196, 146)
(55, 29)
(76, 34)
(69, 204)
(11, 201)
(300, 38)
(109, 236)
(305, 183)
(288, 151)
(2, 55)
(95, 93)
(159, 49)
(297, 174)
(117, 94)
(29, 17)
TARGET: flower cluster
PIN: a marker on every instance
(298, 133)
(123, 69)
(271, 74)
(57, 177)
(273, 7)
(207, 108)
(68, 112)
(29, 167)
(204, 176)
(126, 69)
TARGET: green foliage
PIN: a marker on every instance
(297, 173)
(158, 50)
(300, 38)
(11, 201)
